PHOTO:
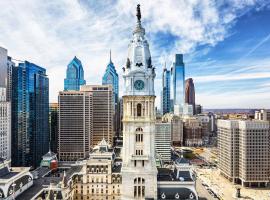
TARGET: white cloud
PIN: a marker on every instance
(51, 33)
(231, 77)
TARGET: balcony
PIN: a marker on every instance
(139, 157)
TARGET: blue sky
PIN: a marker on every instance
(226, 44)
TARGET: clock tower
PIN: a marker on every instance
(139, 172)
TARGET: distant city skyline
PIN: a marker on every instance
(226, 46)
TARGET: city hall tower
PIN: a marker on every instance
(139, 172)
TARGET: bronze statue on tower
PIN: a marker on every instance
(139, 16)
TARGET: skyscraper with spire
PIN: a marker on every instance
(74, 75)
(110, 77)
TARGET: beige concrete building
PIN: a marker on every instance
(192, 132)
(103, 112)
(75, 121)
(244, 151)
(85, 117)
(176, 128)
(262, 115)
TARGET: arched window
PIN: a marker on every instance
(139, 129)
(139, 135)
(139, 110)
(139, 188)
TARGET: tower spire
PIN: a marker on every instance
(110, 56)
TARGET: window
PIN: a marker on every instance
(139, 110)
(139, 188)
(139, 137)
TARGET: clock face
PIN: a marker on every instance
(139, 84)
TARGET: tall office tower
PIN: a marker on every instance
(75, 122)
(190, 94)
(3, 67)
(166, 91)
(110, 77)
(10, 66)
(205, 121)
(5, 126)
(74, 75)
(163, 141)
(192, 132)
(176, 128)
(103, 113)
(139, 172)
(262, 115)
(53, 120)
(244, 151)
(30, 114)
(178, 83)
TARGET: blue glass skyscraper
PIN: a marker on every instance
(110, 77)
(30, 114)
(166, 91)
(74, 75)
(178, 80)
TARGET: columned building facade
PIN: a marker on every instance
(139, 172)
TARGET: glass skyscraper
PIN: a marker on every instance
(166, 91)
(74, 75)
(178, 81)
(110, 77)
(30, 114)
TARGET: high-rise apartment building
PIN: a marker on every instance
(244, 151)
(190, 93)
(166, 91)
(163, 141)
(74, 75)
(5, 126)
(3, 67)
(10, 66)
(178, 83)
(263, 114)
(6, 65)
(75, 124)
(103, 113)
(53, 120)
(110, 77)
(192, 132)
(176, 128)
(30, 114)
